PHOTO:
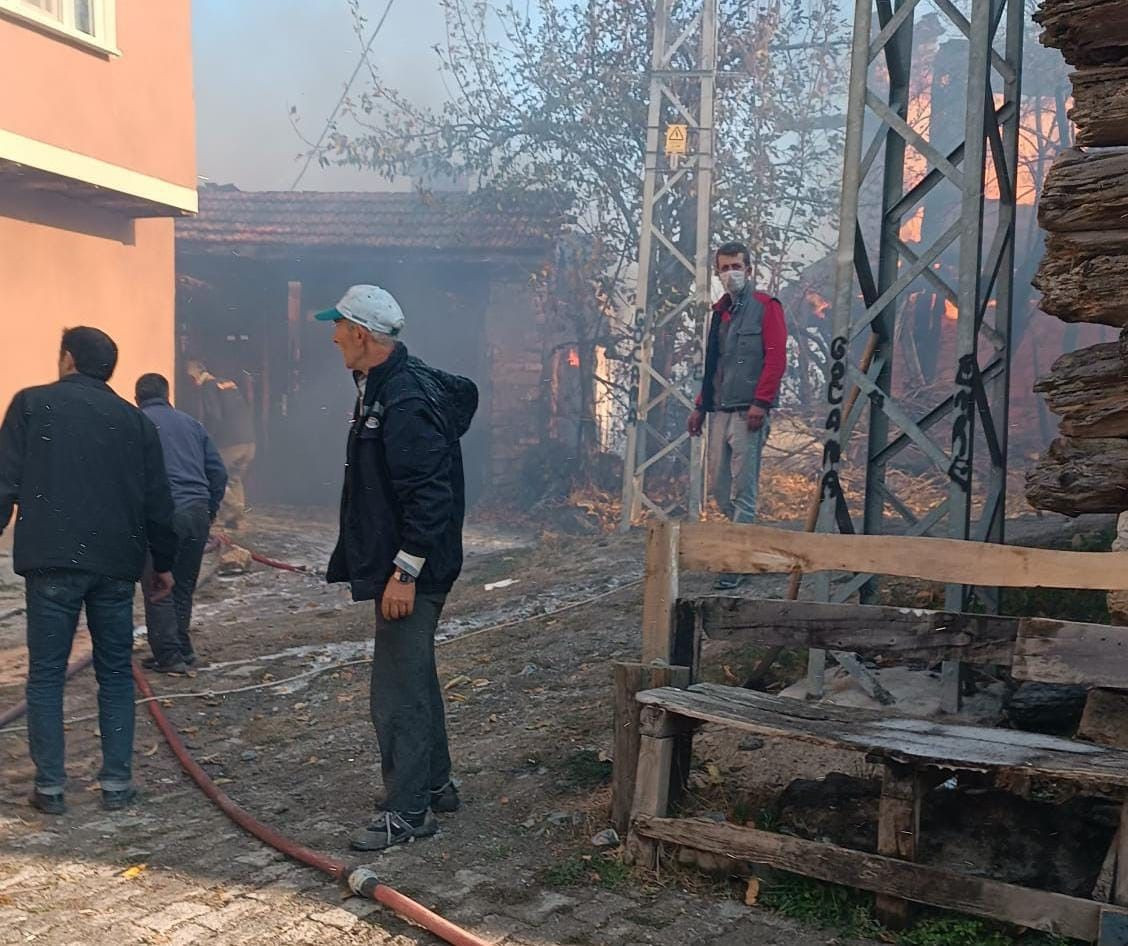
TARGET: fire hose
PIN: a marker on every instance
(360, 880)
(15, 712)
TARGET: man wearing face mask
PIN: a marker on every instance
(745, 358)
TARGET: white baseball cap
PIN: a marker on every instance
(369, 307)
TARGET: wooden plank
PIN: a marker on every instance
(730, 547)
(652, 793)
(660, 592)
(630, 680)
(898, 739)
(902, 633)
(1120, 882)
(898, 827)
(1071, 652)
(979, 896)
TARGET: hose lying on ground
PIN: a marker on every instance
(361, 880)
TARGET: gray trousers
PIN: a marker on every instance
(407, 706)
(735, 453)
(168, 620)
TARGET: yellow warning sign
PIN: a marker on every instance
(677, 137)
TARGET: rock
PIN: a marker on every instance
(529, 670)
(608, 838)
(751, 744)
(1105, 719)
(559, 818)
(249, 756)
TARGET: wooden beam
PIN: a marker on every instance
(748, 548)
(1094, 655)
(898, 828)
(979, 896)
(885, 737)
(872, 630)
(652, 793)
(1120, 881)
(630, 680)
(660, 592)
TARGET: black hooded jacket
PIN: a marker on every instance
(404, 489)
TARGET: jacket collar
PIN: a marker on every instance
(379, 375)
(85, 380)
(154, 402)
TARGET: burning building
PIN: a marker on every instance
(254, 266)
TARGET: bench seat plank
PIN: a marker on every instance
(899, 739)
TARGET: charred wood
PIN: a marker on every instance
(1084, 277)
(1078, 475)
(1088, 389)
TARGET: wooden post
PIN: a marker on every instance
(658, 743)
(660, 592)
(631, 679)
(1120, 884)
(897, 829)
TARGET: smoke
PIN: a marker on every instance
(256, 59)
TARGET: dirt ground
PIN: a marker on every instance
(529, 718)
(527, 670)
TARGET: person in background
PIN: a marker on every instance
(227, 417)
(745, 360)
(85, 469)
(198, 480)
(400, 543)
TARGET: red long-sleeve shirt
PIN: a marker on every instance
(775, 348)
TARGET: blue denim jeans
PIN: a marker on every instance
(735, 455)
(54, 600)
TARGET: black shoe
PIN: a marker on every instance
(445, 800)
(150, 663)
(178, 669)
(116, 801)
(390, 828)
(48, 804)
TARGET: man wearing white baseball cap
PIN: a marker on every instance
(400, 544)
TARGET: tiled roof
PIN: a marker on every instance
(436, 221)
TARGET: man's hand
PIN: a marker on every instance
(398, 601)
(756, 417)
(696, 423)
(160, 586)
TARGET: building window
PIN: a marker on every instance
(90, 22)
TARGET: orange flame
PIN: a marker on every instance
(951, 310)
(819, 305)
(573, 358)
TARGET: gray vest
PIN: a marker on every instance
(742, 354)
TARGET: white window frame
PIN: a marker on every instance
(102, 12)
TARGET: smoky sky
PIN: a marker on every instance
(253, 59)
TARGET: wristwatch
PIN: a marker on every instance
(403, 577)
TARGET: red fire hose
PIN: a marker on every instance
(221, 539)
(361, 880)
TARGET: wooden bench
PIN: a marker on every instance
(654, 726)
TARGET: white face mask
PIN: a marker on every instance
(734, 280)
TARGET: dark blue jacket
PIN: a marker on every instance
(403, 489)
(86, 470)
(196, 473)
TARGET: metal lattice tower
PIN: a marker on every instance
(968, 260)
(683, 79)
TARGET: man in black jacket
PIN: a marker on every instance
(400, 544)
(86, 470)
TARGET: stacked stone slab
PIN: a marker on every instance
(1084, 275)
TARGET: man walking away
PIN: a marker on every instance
(227, 417)
(401, 544)
(198, 479)
(745, 358)
(85, 469)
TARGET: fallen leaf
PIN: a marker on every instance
(504, 800)
(729, 675)
(605, 756)
(483, 682)
(135, 871)
(493, 718)
(153, 750)
(752, 894)
(222, 781)
(312, 760)
(457, 698)
(457, 681)
(345, 697)
(714, 773)
(189, 731)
